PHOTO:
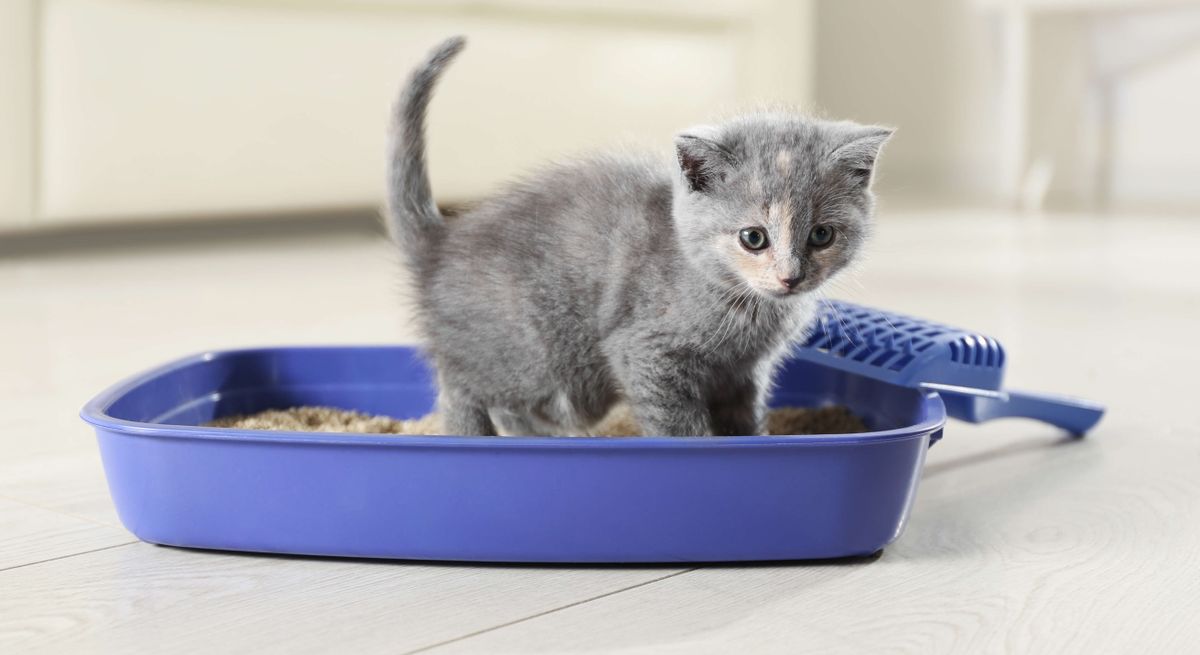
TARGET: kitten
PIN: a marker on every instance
(677, 287)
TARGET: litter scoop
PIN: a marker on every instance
(965, 368)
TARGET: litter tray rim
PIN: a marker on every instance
(96, 413)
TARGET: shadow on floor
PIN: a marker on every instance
(1008, 450)
(835, 562)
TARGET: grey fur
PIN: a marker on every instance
(621, 277)
(414, 216)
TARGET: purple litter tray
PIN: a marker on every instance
(524, 499)
(500, 499)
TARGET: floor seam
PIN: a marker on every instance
(61, 557)
(57, 511)
(424, 649)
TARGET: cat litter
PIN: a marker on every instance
(619, 423)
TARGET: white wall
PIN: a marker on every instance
(17, 146)
(937, 70)
(928, 68)
(1156, 105)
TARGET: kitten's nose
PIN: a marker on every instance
(790, 283)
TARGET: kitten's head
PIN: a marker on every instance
(777, 203)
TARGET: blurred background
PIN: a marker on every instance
(222, 160)
(179, 175)
(121, 111)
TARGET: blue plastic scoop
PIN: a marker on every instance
(965, 368)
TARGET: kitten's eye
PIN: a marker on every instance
(753, 238)
(821, 236)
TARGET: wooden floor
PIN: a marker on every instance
(1021, 540)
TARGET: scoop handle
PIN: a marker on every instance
(1074, 415)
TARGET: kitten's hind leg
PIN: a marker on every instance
(514, 424)
(464, 415)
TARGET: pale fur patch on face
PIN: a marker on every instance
(783, 161)
(764, 270)
(756, 186)
(779, 214)
(755, 270)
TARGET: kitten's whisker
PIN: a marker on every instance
(725, 312)
(735, 310)
(838, 315)
(728, 323)
(821, 317)
(739, 306)
(887, 320)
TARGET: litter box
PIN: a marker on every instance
(547, 499)
(498, 499)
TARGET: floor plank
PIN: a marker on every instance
(71, 484)
(149, 599)
(31, 534)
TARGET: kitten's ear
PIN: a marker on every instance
(702, 158)
(859, 149)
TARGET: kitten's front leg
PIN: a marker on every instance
(739, 410)
(670, 413)
(665, 398)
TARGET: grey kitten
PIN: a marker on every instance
(677, 287)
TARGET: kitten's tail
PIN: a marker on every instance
(413, 218)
